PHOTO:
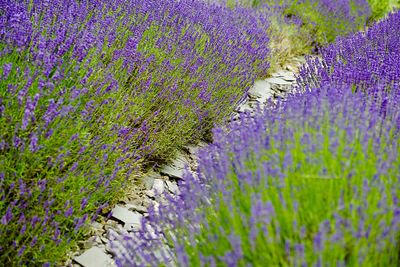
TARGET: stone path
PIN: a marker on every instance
(125, 217)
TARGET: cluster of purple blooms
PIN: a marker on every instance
(313, 181)
(88, 87)
(368, 59)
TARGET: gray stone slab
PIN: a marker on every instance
(132, 227)
(125, 215)
(95, 257)
(244, 107)
(280, 81)
(172, 187)
(285, 75)
(148, 179)
(194, 149)
(158, 186)
(261, 91)
(176, 168)
(138, 208)
(150, 193)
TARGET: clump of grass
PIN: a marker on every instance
(328, 19)
(380, 8)
(288, 38)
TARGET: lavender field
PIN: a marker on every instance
(94, 94)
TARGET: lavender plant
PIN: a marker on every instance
(312, 183)
(363, 60)
(93, 91)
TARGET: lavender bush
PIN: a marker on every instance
(93, 91)
(363, 60)
(313, 181)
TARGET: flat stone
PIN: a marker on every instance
(125, 215)
(279, 95)
(138, 208)
(95, 257)
(193, 150)
(148, 179)
(158, 186)
(97, 228)
(90, 242)
(176, 168)
(285, 75)
(172, 187)
(146, 202)
(291, 68)
(132, 227)
(279, 88)
(150, 193)
(275, 80)
(244, 107)
(261, 91)
(104, 240)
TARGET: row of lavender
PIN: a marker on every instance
(312, 182)
(93, 90)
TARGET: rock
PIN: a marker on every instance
(158, 186)
(96, 228)
(279, 88)
(92, 241)
(148, 179)
(244, 107)
(285, 75)
(172, 187)
(146, 202)
(138, 208)
(125, 215)
(192, 150)
(132, 227)
(279, 95)
(104, 240)
(95, 257)
(280, 81)
(176, 168)
(261, 91)
(110, 224)
(291, 68)
(137, 202)
(150, 193)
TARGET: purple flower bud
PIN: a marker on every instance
(84, 202)
(69, 212)
(33, 242)
(7, 67)
(33, 146)
(7, 217)
(21, 250)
